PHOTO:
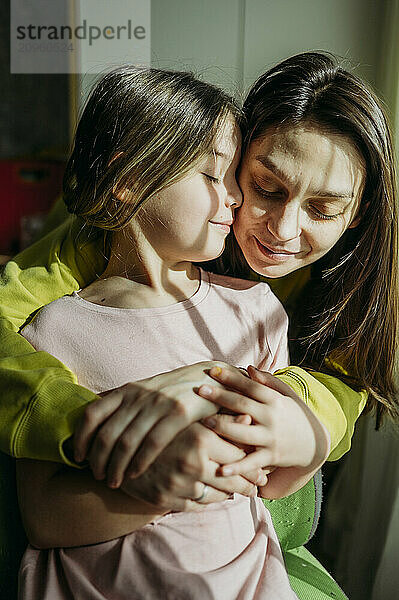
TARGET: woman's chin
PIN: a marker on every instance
(272, 271)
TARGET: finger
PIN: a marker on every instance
(94, 414)
(250, 435)
(243, 419)
(255, 460)
(220, 451)
(234, 483)
(109, 437)
(256, 476)
(233, 400)
(188, 504)
(160, 436)
(140, 444)
(270, 381)
(238, 381)
(211, 494)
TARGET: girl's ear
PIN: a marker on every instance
(122, 194)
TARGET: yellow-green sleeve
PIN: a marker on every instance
(335, 404)
(40, 400)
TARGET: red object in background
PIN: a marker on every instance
(28, 190)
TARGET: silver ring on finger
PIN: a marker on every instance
(204, 493)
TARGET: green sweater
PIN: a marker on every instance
(40, 400)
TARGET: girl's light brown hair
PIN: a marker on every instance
(142, 130)
(352, 302)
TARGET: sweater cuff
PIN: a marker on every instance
(321, 402)
(50, 420)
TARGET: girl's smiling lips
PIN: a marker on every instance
(223, 225)
(271, 252)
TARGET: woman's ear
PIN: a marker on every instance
(359, 216)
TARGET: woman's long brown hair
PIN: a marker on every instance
(350, 321)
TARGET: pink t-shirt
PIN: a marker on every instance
(225, 551)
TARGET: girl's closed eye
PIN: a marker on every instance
(212, 178)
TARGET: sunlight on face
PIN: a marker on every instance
(190, 220)
(302, 190)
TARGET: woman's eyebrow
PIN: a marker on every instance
(275, 170)
(347, 195)
(266, 162)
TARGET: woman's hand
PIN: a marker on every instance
(284, 431)
(131, 425)
(191, 462)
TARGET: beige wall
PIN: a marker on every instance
(231, 42)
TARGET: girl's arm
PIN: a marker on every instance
(63, 507)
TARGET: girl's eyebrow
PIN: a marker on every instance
(215, 152)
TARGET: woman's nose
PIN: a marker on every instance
(284, 221)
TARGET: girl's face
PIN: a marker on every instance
(190, 220)
(302, 190)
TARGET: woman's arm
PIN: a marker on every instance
(36, 389)
(333, 402)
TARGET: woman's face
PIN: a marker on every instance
(302, 190)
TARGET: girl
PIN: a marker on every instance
(159, 159)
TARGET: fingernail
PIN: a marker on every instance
(209, 421)
(113, 484)
(216, 371)
(206, 390)
(227, 471)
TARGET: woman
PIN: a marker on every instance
(308, 90)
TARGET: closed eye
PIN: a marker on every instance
(266, 193)
(211, 178)
(323, 216)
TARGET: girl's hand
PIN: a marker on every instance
(284, 431)
(191, 461)
(131, 425)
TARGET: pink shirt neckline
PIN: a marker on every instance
(194, 300)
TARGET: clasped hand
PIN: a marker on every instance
(146, 436)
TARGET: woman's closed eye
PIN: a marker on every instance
(323, 214)
(318, 212)
(268, 193)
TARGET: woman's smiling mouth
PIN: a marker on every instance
(276, 254)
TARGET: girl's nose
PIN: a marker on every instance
(234, 195)
(284, 221)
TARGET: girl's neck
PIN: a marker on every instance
(136, 277)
